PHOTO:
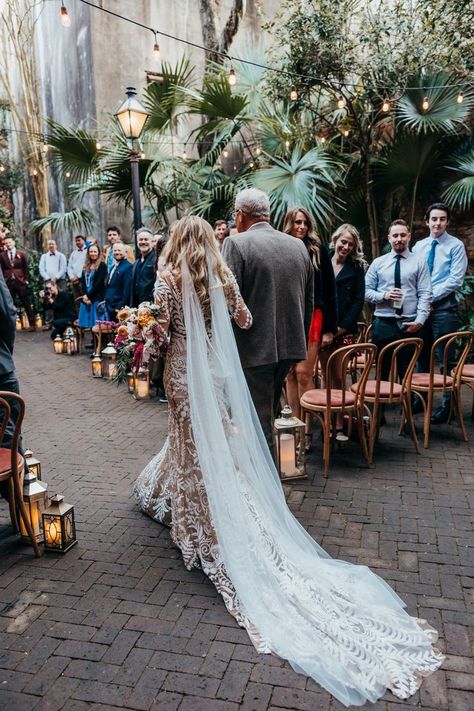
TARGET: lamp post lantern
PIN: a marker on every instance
(132, 117)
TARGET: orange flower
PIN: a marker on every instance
(122, 331)
(123, 314)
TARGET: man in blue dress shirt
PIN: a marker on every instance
(399, 285)
(446, 259)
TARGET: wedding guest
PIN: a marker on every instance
(446, 259)
(64, 313)
(221, 231)
(93, 280)
(349, 265)
(143, 274)
(14, 264)
(53, 265)
(75, 266)
(399, 285)
(114, 235)
(275, 277)
(118, 282)
(299, 223)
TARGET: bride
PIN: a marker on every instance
(215, 484)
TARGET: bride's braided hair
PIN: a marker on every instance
(193, 239)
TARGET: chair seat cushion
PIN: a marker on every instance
(318, 397)
(102, 329)
(6, 462)
(468, 371)
(422, 380)
(384, 391)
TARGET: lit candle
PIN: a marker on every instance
(287, 454)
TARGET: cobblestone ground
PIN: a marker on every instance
(119, 622)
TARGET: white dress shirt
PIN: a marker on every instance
(76, 263)
(53, 266)
(415, 284)
(450, 263)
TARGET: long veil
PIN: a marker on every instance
(336, 622)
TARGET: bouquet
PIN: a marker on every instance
(140, 336)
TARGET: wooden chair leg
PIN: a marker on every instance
(326, 445)
(12, 507)
(361, 433)
(373, 431)
(457, 394)
(427, 420)
(409, 418)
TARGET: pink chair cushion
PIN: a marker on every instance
(371, 386)
(318, 398)
(423, 380)
(468, 371)
(6, 462)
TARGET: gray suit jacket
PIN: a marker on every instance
(275, 276)
(7, 328)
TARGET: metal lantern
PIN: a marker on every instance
(38, 321)
(142, 384)
(24, 320)
(289, 433)
(58, 344)
(70, 341)
(131, 382)
(35, 498)
(131, 115)
(33, 464)
(96, 366)
(18, 323)
(59, 525)
(109, 357)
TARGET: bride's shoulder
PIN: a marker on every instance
(170, 279)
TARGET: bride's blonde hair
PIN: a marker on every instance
(193, 239)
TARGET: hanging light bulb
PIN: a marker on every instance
(67, 175)
(65, 19)
(426, 104)
(156, 49)
(323, 139)
(460, 98)
(232, 77)
(251, 164)
(293, 93)
(34, 172)
(185, 155)
(2, 168)
(225, 153)
(258, 150)
(346, 132)
(386, 105)
(142, 155)
(98, 145)
(341, 102)
(287, 143)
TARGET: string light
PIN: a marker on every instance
(323, 139)
(460, 98)
(287, 143)
(44, 147)
(293, 93)
(156, 49)
(98, 145)
(251, 164)
(34, 172)
(185, 155)
(2, 168)
(426, 104)
(346, 132)
(67, 175)
(386, 105)
(65, 19)
(225, 153)
(341, 102)
(142, 155)
(258, 150)
(232, 77)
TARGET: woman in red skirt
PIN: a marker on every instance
(299, 223)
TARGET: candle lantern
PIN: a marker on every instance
(70, 341)
(67, 344)
(38, 321)
(289, 432)
(35, 498)
(109, 357)
(18, 323)
(33, 464)
(97, 366)
(24, 320)
(59, 525)
(58, 344)
(142, 384)
(131, 382)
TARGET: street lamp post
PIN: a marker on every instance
(132, 117)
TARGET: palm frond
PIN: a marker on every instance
(460, 193)
(216, 99)
(166, 99)
(76, 220)
(73, 150)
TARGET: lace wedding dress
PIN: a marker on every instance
(215, 484)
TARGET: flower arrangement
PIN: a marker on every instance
(140, 336)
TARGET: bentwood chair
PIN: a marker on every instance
(325, 403)
(380, 392)
(12, 462)
(467, 378)
(441, 382)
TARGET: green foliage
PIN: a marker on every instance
(76, 220)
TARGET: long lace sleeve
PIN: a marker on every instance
(236, 305)
(163, 296)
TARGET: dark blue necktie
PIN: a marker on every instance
(431, 255)
(398, 280)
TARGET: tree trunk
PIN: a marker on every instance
(371, 212)
(209, 11)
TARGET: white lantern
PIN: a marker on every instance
(289, 432)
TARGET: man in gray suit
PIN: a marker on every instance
(275, 276)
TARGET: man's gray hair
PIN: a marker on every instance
(143, 231)
(253, 202)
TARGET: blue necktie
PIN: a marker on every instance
(398, 280)
(431, 255)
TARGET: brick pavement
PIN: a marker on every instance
(119, 622)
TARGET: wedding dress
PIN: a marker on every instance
(215, 483)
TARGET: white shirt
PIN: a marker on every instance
(450, 263)
(53, 266)
(76, 263)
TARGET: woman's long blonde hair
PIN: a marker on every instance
(311, 241)
(357, 254)
(193, 239)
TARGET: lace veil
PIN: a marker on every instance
(336, 622)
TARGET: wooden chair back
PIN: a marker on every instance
(392, 350)
(343, 360)
(449, 342)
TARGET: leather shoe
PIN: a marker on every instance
(416, 404)
(440, 416)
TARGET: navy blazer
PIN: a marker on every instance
(118, 288)
(350, 290)
(143, 280)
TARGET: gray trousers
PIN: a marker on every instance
(265, 384)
